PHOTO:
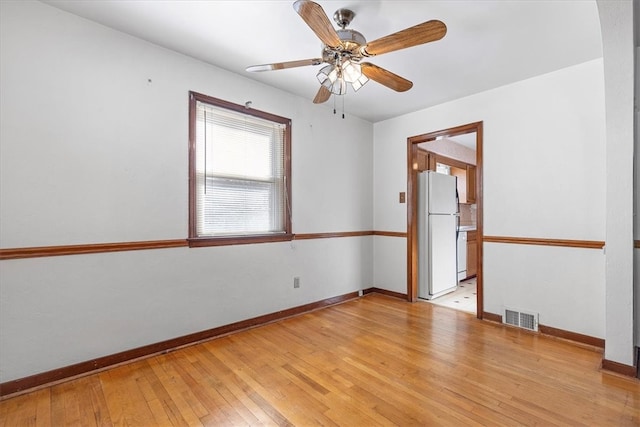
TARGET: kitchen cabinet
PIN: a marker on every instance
(462, 255)
(472, 253)
(466, 182)
(471, 184)
(461, 174)
(422, 160)
(465, 172)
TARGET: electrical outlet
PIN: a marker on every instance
(296, 282)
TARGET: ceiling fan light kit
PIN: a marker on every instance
(336, 77)
(344, 49)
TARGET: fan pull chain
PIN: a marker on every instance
(334, 105)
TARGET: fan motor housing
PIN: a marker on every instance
(351, 39)
(350, 48)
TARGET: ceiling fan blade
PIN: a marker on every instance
(283, 65)
(385, 77)
(413, 36)
(313, 14)
(322, 96)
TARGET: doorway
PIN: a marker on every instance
(417, 160)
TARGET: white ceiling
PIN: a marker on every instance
(488, 43)
(467, 140)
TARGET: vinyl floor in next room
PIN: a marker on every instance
(464, 298)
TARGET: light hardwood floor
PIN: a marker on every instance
(372, 361)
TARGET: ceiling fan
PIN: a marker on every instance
(344, 49)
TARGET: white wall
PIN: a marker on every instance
(616, 21)
(544, 176)
(91, 151)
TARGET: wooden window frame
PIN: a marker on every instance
(199, 241)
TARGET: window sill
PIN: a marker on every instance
(197, 242)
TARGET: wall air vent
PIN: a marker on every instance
(521, 319)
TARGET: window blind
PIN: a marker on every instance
(239, 173)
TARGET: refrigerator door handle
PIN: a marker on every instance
(457, 213)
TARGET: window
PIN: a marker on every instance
(239, 174)
(442, 168)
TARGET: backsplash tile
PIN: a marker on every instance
(467, 214)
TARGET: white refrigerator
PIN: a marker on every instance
(438, 217)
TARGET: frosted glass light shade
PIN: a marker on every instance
(336, 77)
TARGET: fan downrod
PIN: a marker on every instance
(343, 17)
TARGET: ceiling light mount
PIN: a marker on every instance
(343, 17)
